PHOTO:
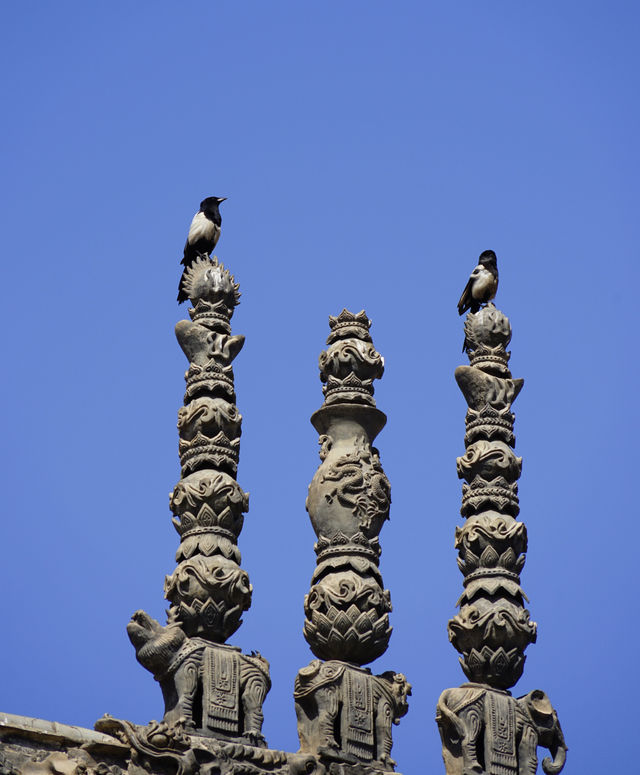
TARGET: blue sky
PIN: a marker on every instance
(370, 151)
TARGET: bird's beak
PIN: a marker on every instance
(222, 198)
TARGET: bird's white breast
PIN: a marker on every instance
(484, 284)
(201, 228)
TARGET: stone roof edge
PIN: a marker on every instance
(40, 729)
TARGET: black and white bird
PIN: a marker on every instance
(482, 284)
(203, 236)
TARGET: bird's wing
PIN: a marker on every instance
(201, 228)
(465, 299)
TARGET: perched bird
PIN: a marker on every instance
(482, 284)
(203, 236)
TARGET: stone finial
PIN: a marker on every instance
(209, 688)
(344, 712)
(483, 728)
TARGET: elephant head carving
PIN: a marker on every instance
(544, 720)
(212, 688)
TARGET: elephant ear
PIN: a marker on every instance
(304, 680)
(540, 705)
(316, 674)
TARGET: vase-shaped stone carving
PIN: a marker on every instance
(212, 688)
(344, 712)
(483, 728)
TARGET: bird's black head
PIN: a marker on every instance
(211, 202)
(487, 257)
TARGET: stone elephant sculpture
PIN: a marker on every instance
(482, 728)
(346, 713)
(213, 688)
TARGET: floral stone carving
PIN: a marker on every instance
(212, 689)
(344, 712)
(483, 728)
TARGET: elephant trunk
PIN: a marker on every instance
(553, 766)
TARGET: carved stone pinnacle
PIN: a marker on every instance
(483, 728)
(209, 688)
(344, 712)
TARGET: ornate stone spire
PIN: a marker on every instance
(212, 688)
(344, 712)
(484, 729)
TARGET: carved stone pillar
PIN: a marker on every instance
(484, 729)
(214, 688)
(344, 712)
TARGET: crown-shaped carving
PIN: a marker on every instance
(207, 279)
(340, 544)
(347, 324)
(497, 667)
(204, 452)
(209, 541)
(490, 422)
(496, 494)
(492, 360)
(211, 379)
(215, 317)
(225, 523)
(352, 389)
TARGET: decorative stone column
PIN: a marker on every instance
(484, 729)
(212, 688)
(344, 712)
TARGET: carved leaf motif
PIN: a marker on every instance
(206, 515)
(471, 560)
(507, 558)
(489, 557)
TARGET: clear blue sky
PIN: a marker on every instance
(369, 151)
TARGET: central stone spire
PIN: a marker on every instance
(344, 712)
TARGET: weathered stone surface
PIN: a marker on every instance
(208, 687)
(36, 747)
(344, 712)
(483, 728)
(30, 746)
